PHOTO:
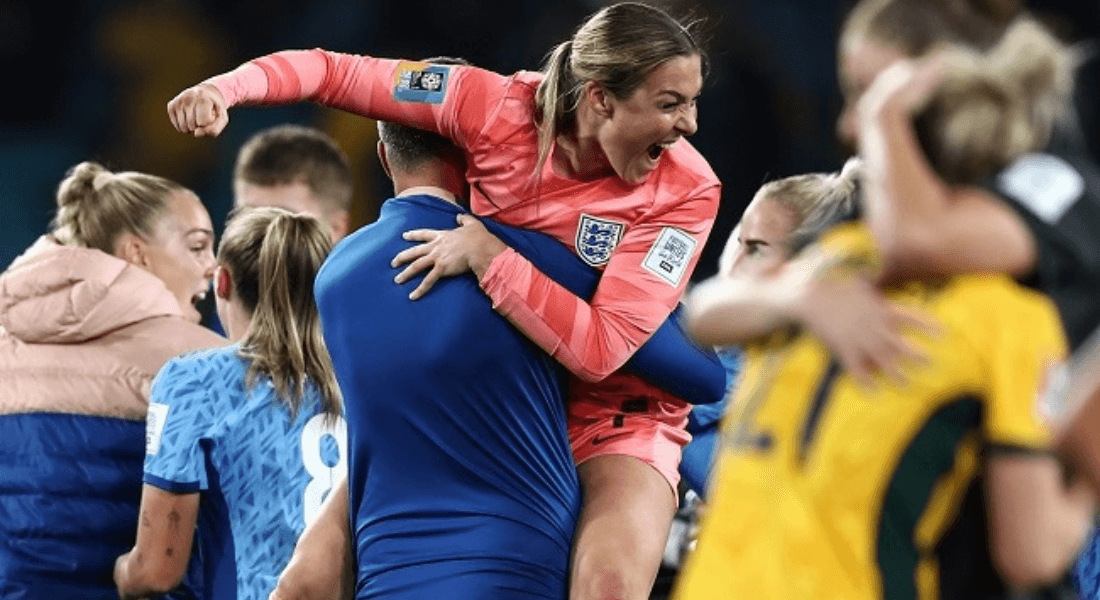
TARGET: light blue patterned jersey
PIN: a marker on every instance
(262, 475)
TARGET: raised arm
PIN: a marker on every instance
(839, 306)
(451, 100)
(922, 226)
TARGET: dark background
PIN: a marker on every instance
(90, 79)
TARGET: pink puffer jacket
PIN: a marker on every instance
(82, 334)
(85, 332)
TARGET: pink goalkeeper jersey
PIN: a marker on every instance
(646, 237)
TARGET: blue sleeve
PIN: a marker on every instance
(669, 359)
(1086, 572)
(180, 416)
(674, 363)
(704, 425)
(696, 460)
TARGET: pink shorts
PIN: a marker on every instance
(624, 415)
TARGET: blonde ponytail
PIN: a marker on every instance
(555, 99)
(994, 106)
(817, 200)
(273, 256)
(95, 206)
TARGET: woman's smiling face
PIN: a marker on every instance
(637, 131)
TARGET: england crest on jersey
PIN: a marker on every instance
(597, 238)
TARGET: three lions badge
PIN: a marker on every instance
(597, 239)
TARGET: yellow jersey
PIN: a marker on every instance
(824, 489)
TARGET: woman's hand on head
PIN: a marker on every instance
(469, 247)
(902, 88)
(199, 110)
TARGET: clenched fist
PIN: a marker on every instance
(200, 110)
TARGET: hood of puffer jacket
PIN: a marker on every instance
(61, 294)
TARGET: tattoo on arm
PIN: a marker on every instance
(173, 526)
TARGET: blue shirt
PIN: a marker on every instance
(1086, 572)
(704, 425)
(462, 483)
(262, 474)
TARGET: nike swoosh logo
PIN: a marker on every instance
(597, 440)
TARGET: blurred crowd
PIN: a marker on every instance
(93, 79)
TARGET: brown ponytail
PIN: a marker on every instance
(555, 99)
(274, 256)
(616, 47)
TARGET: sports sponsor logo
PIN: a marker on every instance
(421, 82)
(597, 440)
(597, 239)
(669, 256)
(154, 426)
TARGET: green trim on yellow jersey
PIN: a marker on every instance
(823, 488)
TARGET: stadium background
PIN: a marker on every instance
(89, 79)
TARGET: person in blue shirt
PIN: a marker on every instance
(244, 440)
(462, 481)
(461, 477)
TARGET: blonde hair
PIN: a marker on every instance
(996, 105)
(816, 200)
(96, 206)
(915, 26)
(616, 47)
(273, 256)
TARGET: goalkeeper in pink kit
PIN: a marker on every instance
(589, 151)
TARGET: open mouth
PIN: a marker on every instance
(197, 298)
(657, 149)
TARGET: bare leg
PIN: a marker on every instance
(628, 508)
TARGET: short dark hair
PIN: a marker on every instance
(407, 147)
(287, 153)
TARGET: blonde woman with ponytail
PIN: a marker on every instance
(592, 151)
(759, 271)
(783, 219)
(88, 315)
(250, 434)
(931, 480)
(960, 111)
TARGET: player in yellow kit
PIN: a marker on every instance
(825, 488)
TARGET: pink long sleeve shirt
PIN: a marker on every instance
(646, 237)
